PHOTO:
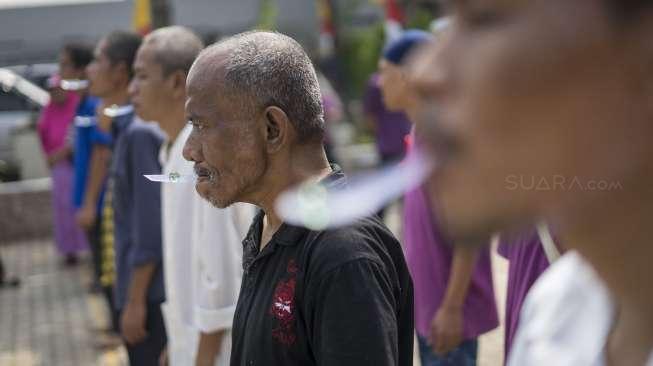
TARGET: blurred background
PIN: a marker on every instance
(343, 37)
(50, 319)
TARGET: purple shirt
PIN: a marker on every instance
(429, 259)
(527, 262)
(391, 127)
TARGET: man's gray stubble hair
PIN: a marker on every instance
(265, 69)
(175, 48)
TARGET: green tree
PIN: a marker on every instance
(268, 14)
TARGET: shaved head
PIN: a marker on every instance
(262, 69)
(175, 48)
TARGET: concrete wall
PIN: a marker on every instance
(36, 34)
(25, 210)
(30, 157)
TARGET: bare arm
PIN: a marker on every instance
(59, 155)
(464, 261)
(140, 283)
(447, 325)
(99, 166)
(209, 348)
(135, 312)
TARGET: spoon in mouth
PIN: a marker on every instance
(74, 84)
(117, 111)
(318, 207)
(173, 177)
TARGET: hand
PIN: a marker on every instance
(132, 322)
(86, 217)
(163, 359)
(51, 160)
(446, 330)
(57, 156)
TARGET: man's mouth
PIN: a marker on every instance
(204, 174)
(437, 142)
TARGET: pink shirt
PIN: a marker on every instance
(54, 122)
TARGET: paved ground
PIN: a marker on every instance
(49, 321)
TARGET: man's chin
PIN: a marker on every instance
(477, 229)
(94, 92)
(393, 107)
(217, 202)
(466, 225)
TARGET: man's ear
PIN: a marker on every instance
(277, 128)
(178, 83)
(122, 69)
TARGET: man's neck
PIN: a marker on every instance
(616, 240)
(118, 97)
(173, 123)
(412, 109)
(305, 163)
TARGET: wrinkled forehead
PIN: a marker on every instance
(207, 73)
(205, 83)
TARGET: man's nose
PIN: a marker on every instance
(132, 89)
(426, 74)
(89, 69)
(433, 69)
(192, 149)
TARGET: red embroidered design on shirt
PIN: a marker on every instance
(283, 307)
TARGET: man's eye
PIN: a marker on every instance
(485, 18)
(481, 18)
(196, 124)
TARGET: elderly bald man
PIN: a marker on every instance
(337, 297)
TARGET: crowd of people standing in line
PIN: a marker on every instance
(192, 282)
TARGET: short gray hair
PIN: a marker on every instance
(175, 48)
(272, 69)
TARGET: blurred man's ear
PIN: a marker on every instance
(178, 81)
(121, 68)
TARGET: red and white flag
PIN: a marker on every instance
(327, 29)
(394, 20)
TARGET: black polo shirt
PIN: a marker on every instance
(336, 297)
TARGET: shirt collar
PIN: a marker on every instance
(290, 235)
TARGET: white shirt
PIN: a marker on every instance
(202, 254)
(566, 318)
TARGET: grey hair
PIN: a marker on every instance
(272, 69)
(175, 48)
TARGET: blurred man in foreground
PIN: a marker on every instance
(499, 116)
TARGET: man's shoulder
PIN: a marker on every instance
(569, 280)
(367, 240)
(140, 132)
(566, 301)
